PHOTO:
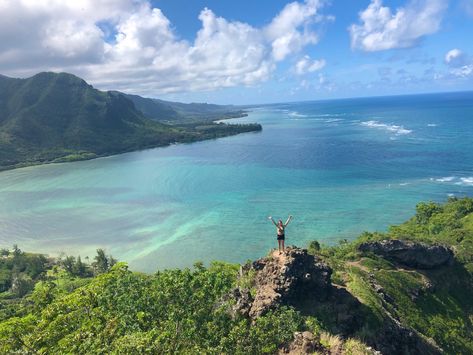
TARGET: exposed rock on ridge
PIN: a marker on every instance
(282, 280)
(296, 278)
(411, 254)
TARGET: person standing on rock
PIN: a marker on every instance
(280, 230)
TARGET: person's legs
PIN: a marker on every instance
(282, 244)
(279, 245)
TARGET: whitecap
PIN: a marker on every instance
(462, 181)
(296, 114)
(466, 181)
(432, 125)
(329, 115)
(398, 130)
(446, 179)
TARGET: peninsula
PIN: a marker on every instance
(58, 117)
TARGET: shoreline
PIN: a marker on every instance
(254, 127)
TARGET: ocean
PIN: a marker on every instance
(340, 167)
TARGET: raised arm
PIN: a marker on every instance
(288, 220)
(272, 220)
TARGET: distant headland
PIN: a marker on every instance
(58, 117)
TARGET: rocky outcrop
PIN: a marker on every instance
(409, 253)
(296, 278)
(394, 338)
(282, 279)
(303, 343)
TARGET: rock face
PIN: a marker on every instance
(303, 343)
(411, 254)
(282, 279)
(394, 338)
(303, 281)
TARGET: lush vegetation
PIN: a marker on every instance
(59, 117)
(123, 312)
(437, 303)
(69, 306)
(177, 112)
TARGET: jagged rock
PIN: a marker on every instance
(409, 253)
(243, 301)
(394, 338)
(345, 310)
(303, 343)
(298, 279)
(283, 279)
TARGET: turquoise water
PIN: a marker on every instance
(340, 167)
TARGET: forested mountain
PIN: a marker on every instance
(59, 117)
(177, 112)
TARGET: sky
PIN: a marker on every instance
(244, 52)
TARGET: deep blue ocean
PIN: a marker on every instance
(340, 167)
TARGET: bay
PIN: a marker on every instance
(340, 167)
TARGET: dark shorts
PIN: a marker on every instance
(281, 237)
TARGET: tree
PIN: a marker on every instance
(21, 285)
(68, 264)
(16, 251)
(314, 246)
(426, 210)
(79, 268)
(102, 262)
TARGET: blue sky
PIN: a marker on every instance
(244, 51)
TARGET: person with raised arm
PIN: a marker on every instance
(280, 231)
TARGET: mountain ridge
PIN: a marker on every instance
(55, 117)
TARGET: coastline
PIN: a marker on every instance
(85, 155)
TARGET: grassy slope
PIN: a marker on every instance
(437, 303)
(182, 310)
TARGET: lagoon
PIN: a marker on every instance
(340, 167)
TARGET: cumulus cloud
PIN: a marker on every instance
(381, 29)
(307, 65)
(454, 57)
(289, 30)
(129, 45)
(461, 65)
(463, 71)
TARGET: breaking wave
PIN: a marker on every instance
(398, 130)
(463, 181)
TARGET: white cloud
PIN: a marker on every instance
(452, 55)
(455, 58)
(307, 65)
(130, 46)
(380, 29)
(461, 65)
(463, 71)
(289, 30)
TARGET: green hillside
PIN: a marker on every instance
(177, 112)
(59, 117)
(374, 302)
